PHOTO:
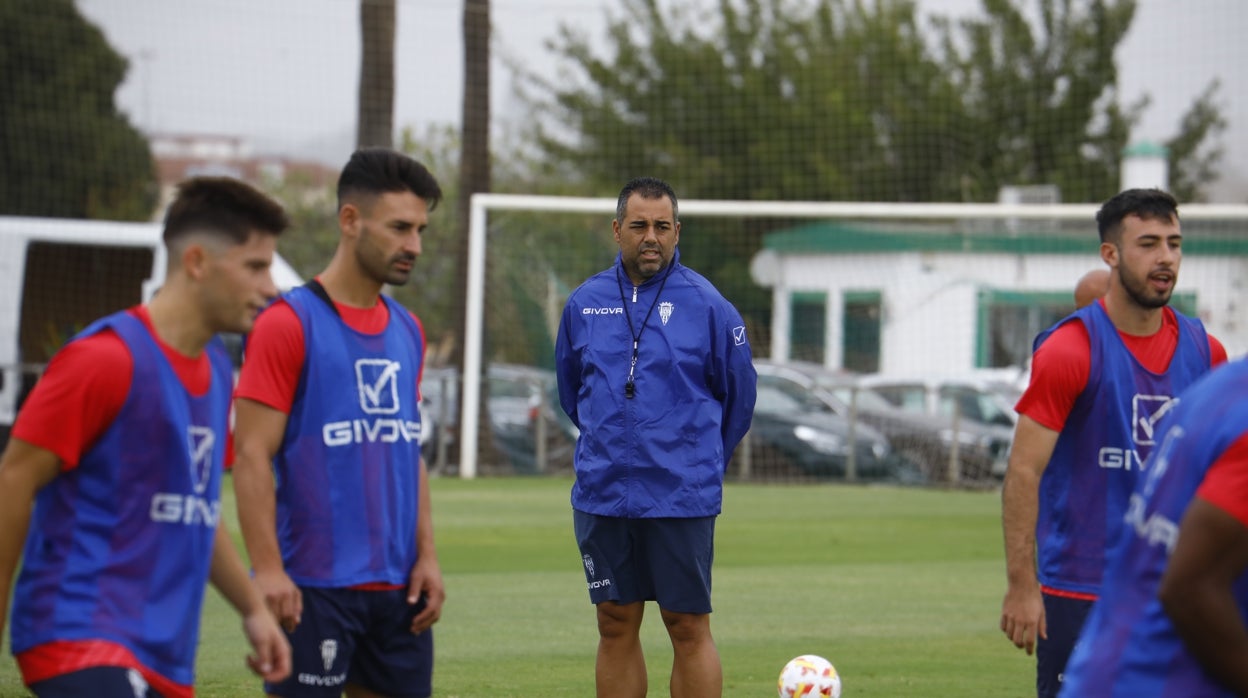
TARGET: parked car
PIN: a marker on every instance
(983, 398)
(942, 450)
(525, 413)
(795, 434)
(522, 406)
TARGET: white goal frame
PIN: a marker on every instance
(482, 204)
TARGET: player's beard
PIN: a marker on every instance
(377, 266)
(1141, 294)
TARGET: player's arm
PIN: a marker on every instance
(737, 387)
(1197, 590)
(567, 366)
(272, 652)
(258, 431)
(1206, 568)
(1059, 373)
(1022, 611)
(24, 470)
(74, 402)
(426, 575)
(1217, 352)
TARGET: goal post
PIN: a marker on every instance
(1232, 221)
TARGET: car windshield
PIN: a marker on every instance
(867, 399)
(981, 407)
(774, 400)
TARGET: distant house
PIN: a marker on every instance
(180, 156)
(930, 298)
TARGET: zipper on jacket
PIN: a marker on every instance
(634, 294)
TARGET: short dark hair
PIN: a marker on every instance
(224, 207)
(1148, 204)
(374, 171)
(648, 188)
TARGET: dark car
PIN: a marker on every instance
(794, 434)
(523, 413)
(527, 423)
(960, 452)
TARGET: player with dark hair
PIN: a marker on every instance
(1170, 619)
(113, 475)
(1101, 379)
(333, 496)
(654, 367)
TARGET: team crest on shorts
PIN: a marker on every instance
(329, 650)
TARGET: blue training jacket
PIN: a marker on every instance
(348, 472)
(663, 452)
(1085, 488)
(1129, 647)
(120, 547)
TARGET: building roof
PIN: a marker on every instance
(1022, 237)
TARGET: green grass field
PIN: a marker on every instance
(900, 588)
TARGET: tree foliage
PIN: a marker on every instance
(855, 100)
(1195, 152)
(67, 151)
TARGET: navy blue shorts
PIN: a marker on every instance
(97, 682)
(663, 560)
(363, 638)
(1064, 619)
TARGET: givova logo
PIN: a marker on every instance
(191, 508)
(200, 441)
(377, 381)
(593, 583)
(1146, 413)
(379, 385)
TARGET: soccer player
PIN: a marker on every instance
(113, 475)
(654, 367)
(1170, 619)
(332, 494)
(1091, 286)
(1101, 379)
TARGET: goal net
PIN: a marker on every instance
(891, 340)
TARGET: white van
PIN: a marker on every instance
(58, 275)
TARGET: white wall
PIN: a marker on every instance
(929, 300)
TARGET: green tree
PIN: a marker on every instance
(67, 151)
(1195, 152)
(855, 100)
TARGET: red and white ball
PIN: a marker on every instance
(809, 676)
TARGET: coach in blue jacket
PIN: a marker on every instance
(655, 370)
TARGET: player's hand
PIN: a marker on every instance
(282, 597)
(425, 581)
(271, 659)
(1022, 616)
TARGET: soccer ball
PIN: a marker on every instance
(809, 676)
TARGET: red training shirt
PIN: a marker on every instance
(1060, 367)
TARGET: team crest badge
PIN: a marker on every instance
(665, 311)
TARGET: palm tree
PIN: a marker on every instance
(375, 121)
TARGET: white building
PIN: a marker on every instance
(906, 298)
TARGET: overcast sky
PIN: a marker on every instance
(284, 72)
